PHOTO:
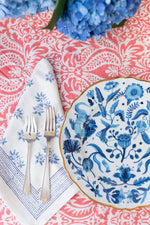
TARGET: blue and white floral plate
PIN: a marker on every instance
(105, 142)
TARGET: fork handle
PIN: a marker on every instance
(26, 186)
(45, 192)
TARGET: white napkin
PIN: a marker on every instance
(40, 92)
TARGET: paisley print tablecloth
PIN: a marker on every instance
(123, 52)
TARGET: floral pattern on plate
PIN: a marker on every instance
(105, 142)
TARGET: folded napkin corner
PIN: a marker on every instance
(40, 92)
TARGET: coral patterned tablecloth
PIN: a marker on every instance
(123, 52)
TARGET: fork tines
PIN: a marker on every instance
(50, 122)
(30, 127)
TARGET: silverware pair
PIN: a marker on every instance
(30, 136)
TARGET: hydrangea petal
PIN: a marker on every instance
(81, 19)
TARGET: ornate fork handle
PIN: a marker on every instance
(50, 131)
(45, 193)
(29, 136)
(26, 186)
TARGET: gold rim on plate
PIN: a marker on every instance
(104, 80)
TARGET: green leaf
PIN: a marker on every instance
(58, 11)
(120, 24)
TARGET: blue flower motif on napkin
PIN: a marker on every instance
(50, 77)
(16, 158)
(21, 135)
(3, 141)
(53, 157)
(30, 83)
(36, 97)
(42, 103)
(41, 98)
(40, 158)
(38, 136)
(18, 113)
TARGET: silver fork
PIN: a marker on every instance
(29, 136)
(50, 130)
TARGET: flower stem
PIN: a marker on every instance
(123, 155)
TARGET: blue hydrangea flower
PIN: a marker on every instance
(21, 8)
(83, 19)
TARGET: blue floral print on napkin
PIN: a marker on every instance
(13, 152)
(50, 77)
(16, 158)
(41, 156)
(42, 103)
